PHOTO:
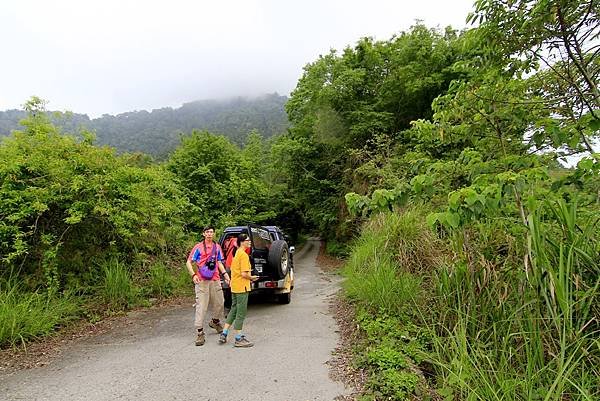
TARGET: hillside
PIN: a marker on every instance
(158, 132)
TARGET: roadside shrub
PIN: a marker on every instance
(382, 268)
(387, 357)
(162, 282)
(392, 384)
(390, 349)
(118, 290)
(335, 248)
(25, 315)
(65, 202)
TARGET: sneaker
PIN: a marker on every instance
(217, 326)
(222, 338)
(243, 343)
(201, 339)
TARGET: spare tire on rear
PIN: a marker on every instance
(279, 258)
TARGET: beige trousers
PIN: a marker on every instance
(208, 293)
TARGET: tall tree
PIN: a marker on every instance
(558, 39)
(350, 101)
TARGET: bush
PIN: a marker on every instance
(162, 282)
(389, 351)
(381, 269)
(392, 384)
(65, 202)
(118, 290)
(25, 316)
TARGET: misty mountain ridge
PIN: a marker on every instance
(158, 132)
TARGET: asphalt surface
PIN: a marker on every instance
(153, 357)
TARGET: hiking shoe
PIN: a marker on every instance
(243, 343)
(217, 326)
(201, 339)
(222, 338)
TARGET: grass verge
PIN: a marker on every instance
(451, 322)
(25, 316)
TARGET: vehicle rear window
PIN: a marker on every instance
(260, 238)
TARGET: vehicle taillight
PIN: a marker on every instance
(271, 284)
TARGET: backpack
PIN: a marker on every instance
(229, 247)
(208, 270)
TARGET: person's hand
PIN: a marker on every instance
(253, 278)
(226, 278)
(196, 279)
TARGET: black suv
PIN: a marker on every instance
(270, 257)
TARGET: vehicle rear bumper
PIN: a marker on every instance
(276, 286)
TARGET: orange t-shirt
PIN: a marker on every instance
(240, 263)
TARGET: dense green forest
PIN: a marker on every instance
(159, 132)
(432, 162)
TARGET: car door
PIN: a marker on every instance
(261, 243)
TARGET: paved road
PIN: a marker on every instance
(153, 357)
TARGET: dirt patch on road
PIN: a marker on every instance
(341, 367)
(327, 262)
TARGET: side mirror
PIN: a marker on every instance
(292, 249)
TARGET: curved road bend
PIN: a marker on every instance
(153, 356)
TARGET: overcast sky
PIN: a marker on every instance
(113, 56)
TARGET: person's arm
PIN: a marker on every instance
(191, 269)
(249, 276)
(220, 265)
(223, 272)
(194, 274)
(246, 270)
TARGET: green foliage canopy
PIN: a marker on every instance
(223, 184)
(158, 132)
(346, 108)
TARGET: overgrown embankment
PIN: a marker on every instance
(387, 276)
(472, 156)
(456, 314)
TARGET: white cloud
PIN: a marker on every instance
(116, 55)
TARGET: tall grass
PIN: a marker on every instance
(25, 315)
(531, 333)
(118, 289)
(513, 311)
(162, 283)
(385, 276)
(381, 271)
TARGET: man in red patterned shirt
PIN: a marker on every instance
(204, 255)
